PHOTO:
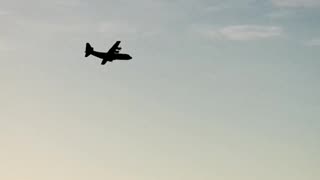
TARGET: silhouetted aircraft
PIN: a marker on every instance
(111, 55)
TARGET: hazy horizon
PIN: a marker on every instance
(216, 90)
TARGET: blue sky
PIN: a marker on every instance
(215, 90)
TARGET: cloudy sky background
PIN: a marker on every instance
(216, 90)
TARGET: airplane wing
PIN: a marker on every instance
(115, 48)
(104, 61)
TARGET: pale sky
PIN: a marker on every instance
(216, 90)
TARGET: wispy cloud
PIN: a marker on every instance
(313, 42)
(244, 32)
(296, 3)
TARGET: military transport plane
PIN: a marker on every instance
(111, 55)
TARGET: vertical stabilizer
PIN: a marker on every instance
(89, 50)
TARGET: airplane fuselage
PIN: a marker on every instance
(111, 57)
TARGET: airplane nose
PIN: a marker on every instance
(130, 57)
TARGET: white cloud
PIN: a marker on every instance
(296, 3)
(244, 32)
(313, 42)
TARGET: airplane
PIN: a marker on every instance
(111, 55)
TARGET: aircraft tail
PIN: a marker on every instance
(89, 50)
